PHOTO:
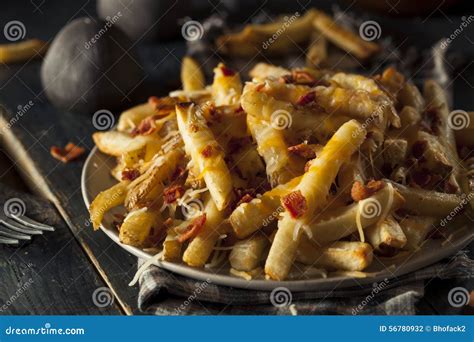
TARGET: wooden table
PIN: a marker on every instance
(67, 266)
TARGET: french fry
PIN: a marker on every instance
(341, 255)
(148, 187)
(343, 38)
(426, 202)
(313, 188)
(416, 229)
(192, 77)
(258, 38)
(200, 248)
(171, 246)
(437, 104)
(248, 254)
(115, 143)
(386, 236)
(130, 118)
(317, 51)
(105, 201)
(263, 70)
(138, 225)
(340, 222)
(226, 87)
(263, 210)
(272, 148)
(202, 146)
(22, 51)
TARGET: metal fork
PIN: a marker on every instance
(14, 228)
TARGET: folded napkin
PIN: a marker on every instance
(166, 293)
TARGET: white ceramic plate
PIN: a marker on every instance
(96, 177)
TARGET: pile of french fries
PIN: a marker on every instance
(294, 170)
(325, 40)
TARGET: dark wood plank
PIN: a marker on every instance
(50, 274)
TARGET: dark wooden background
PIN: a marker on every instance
(64, 268)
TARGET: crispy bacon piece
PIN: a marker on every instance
(306, 99)
(295, 203)
(146, 127)
(360, 191)
(172, 193)
(130, 174)
(227, 72)
(207, 151)
(162, 105)
(193, 229)
(68, 153)
(244, 195)
(302, 150)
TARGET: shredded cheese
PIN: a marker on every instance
(359, 223)
(154, 260)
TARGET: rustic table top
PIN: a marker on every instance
(60, 271)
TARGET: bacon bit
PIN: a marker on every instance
(227, 72)
(172, 193)
(360, 192)
(193, 229)
(244, 195)
(302, 150)
(193, 128)
(303, 77)
(207, 151)
(68, 153)
(295, 204)
(146, 127)
(286, 79)
(306, 98)
(130, 174)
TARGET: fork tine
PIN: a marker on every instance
(32, 223)
(20, 229)
(7, 241)
(11, 234)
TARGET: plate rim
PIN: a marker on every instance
(300, 285)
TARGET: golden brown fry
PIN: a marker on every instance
(22, 51)
(105, 201)
(343, 38)
(192, 77)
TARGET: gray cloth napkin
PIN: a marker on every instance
(166, 293)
